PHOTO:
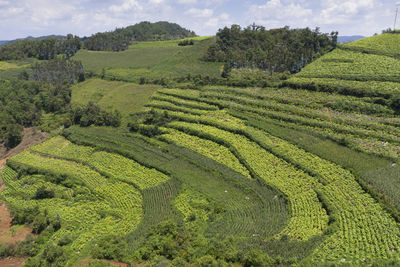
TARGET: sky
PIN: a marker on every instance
(22, 18)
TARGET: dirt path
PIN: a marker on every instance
(8, 234)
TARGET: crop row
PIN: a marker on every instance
(81, 220)
(384, 44)
(364, 134)
(207, 148)
(117, 194)
(192, 204)
(346, 87)
(361, 223)
(184, 102)
(249, 209)
(316, 105)
(169, 106)
(348, 65)
(315, 117)
(113, 165)
(308, 217)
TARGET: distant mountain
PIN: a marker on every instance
(32, 38)
(347, 39)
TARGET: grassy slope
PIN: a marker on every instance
(152, 60)
(385, 44)
(126, 97)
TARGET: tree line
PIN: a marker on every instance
(121, 38)
(45, 49)
(276, 50)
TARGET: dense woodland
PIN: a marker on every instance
(44, 49)
(277, 50)
(121, 38)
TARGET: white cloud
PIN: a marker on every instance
(200, 13)
(274, 13)
(186, 2)
(127, 5)
(344, 11)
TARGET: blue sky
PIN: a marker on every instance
(20, 18)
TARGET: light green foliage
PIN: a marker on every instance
(128, 98)
(357, 232)
(192, 204)
(308, 217)
(349, 65)
(151, 60)
(207, 148)
(312, 111)
(8, 66)
(362, 88)
(385, 44)
(114, 165)
(86, 211)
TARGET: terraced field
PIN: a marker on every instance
(332, 193)
(305, 174)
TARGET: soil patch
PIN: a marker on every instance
(30, 137)
(8, 234)
(12, 262)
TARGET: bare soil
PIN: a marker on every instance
(30, 137)
(12, 262)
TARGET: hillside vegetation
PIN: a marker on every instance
(151, 60)
(121, 38)
(301, 171)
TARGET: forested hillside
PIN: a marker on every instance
(234, 150)
(121, 38)
(276, 50)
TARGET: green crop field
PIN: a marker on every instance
(384, 44)
(152, 60)
(304, 173)
(128, 98)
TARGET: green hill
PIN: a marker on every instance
(385, 44)
(153, 60)
(364, 68)
(304, 173)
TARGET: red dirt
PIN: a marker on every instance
(116, 263)
(12, 262)
(30, 137)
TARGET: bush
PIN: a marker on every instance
(395, 105)
(186, 43)
(109, 247)
(43, 193)
(13, 136)
(256, 258)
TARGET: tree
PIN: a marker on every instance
(13, 135)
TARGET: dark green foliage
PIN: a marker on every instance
(256, 258)
(121, 38)
(91, 114)
(109, 247)
(395, 105)
(44, 49)
(13, 135)
(24, 215)
(58, 72)
(42, 193)
(277, 50)
(186, 43)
